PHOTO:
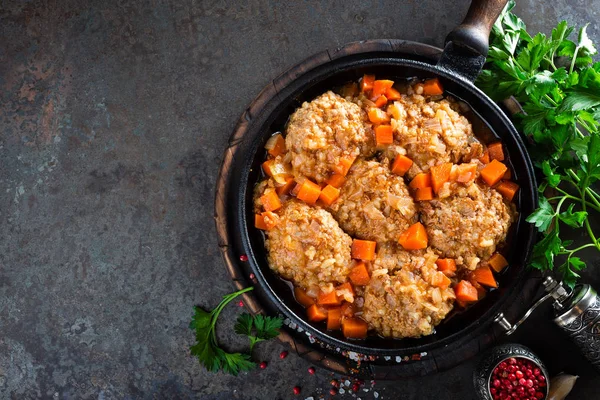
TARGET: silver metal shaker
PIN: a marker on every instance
(577, 312)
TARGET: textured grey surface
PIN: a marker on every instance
(113, 118)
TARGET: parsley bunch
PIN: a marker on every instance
(558, 85)
(213, 357)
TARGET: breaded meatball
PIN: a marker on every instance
(469, 224)
(322, 132)
(374, 204)
(432, 132)
(404, 303)
(308, 247)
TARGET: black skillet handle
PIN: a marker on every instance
(467, 45)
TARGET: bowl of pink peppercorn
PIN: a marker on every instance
(511, 371)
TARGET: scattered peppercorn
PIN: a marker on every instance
(296, 390)
(244, 258)
(311, 370)
(283, 354)
(262, 365)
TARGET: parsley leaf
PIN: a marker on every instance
(258, 327)
(543, 216)
(574, 219)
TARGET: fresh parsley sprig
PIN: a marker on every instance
(558, 85)
(207, 349)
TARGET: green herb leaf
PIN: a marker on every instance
(258, 327)
(543, 216)
(267, 327)
(545, 250)
(573, 219)
(244, 324)
(584, 43)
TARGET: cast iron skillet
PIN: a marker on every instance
(460, 63)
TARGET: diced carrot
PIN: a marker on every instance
(465, 291)
(380, 86)
(485, 158)
(270, 201)
(303, 298)
(345, 287)
(276, 169)
(495, 151)
(354, 328)
(440, 174)
(384, 135)
(497, 262)
(259, 222)
(392, 94)
(309, 192)
(432, 87)
(401, 165)
(363, 249)
(466, 172)
(440, 280)
(484, 276)
(461, 304)
(286, 187)
(359, 275)
(378, 116)
(381, 101)
(421, 180)
(367, 82)
(481, 291)
(447, 266)
(279, 145)
(270, 219)
(335, 180)
(329, 194)
(423, 194)
(507, 175)
(334, 318)
(493, 172)
(268, 167)
(344, 165)
(414, 238)
(316, 313)
(328, 299)
(507, 189)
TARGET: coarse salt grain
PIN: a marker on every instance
(341, 391)
(376, 395)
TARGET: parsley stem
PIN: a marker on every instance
(574, 198)
(587, 221)
(593, 195)
(574, 59)
(226, 300)
(551, 100)
(581, 248)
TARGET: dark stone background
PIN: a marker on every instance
(113, 119)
